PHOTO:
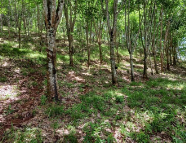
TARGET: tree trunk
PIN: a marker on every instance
(1, 20)
(167, 47)
(155, 62)
(52, 19)
(128, 38)
(71, 49)
(112, 58)
(70, 28)
(51, 58)
(100, 52)
(174, 55)
(99, 37)
(161, 53)
(19, 36)
(88, 48)
(145, 65)
(152, 73)
(145, 46)
(171, 48)
(132, 67)
(153, 40)
(111, 33)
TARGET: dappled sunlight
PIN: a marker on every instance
(36, 55)
(87, 74)
(9, 92)
(17, 70)
(31, 135)
(91, 107)
(126, 78)
(62, 132)
(72, 76)
(177, 87)
(6, 64)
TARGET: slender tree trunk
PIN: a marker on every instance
(132, 67)
(9, 27)
(1, 20)
(71, 50)
(19, 37)
(153, 40)
(145, 47)
(155, 62)
(112, 58)
(171, 48)
(88, 48)
(167, 47)
(99, 37)
(111, 33)
(161, 51)
(116, 45)
(128, 38)
(19, 28)
(174, 55)
(23, 16)
(100, 53)
(70, 28)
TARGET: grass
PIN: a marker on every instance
(154, 110)
(26, 135)
(3, 79)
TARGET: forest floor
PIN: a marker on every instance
(91, 109)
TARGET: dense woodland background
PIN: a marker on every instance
(92, 71)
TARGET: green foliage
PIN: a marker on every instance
(27, 135)
(70, 138)
(9, 110)
(119, 99)
(55, 111)
(43, 100)
(76, 112)
(141, 137)
(93, 130)
(3, 79)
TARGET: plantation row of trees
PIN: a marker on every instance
(152, 28)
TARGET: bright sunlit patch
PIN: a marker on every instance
(8, 92)
(35, 55)
(17, 70)
(5, 64)
(15, 46)
(72, 76)
(87, 74)
(178, 87)
(172, 79)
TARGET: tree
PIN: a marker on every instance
(112, 32)
(52, 19)
(70, 22)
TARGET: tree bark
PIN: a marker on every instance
(174, 55)
(88, 48)
(70, 27)
(111, 34)
(52, 19)
(161, 51)
(166, 48)
(145, 46)
(153, 41)
(128, 39)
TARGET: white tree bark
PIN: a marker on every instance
(52, 19)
